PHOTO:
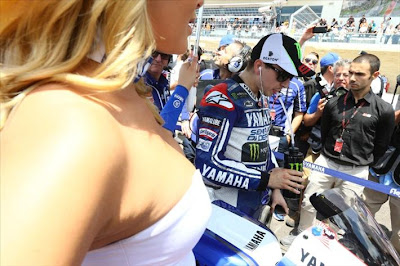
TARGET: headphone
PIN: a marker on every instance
(262, 88)
(239, 62)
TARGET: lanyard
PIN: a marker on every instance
(278, 95)
(276, 98)
(344, 124)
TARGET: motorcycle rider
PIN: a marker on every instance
(233, 151)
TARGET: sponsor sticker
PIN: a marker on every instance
(204, 145)
(254, 152)
(178, 97)
(207, 133)
(248, 103)
(238, 95)
(220, 99)
(395, 192)
(256, 240)
(211, 121)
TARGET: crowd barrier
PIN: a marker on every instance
(391, 191)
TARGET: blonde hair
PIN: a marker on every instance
(50, 39)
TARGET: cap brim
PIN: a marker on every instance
(304, 71)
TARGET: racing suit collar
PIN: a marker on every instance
(246, 88)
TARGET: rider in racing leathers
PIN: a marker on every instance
(232, 151)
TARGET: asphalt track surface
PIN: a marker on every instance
(382, 217)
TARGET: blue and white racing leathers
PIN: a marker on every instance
(232, 150)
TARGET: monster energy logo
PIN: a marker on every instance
(296, 166)
(254, 151)
(298, 49)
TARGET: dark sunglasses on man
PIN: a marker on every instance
(163, 56)
(308, 60)
(282, 74)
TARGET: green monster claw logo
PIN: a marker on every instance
(296, 166)
(298, 49)
(254, 151)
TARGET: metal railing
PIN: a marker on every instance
(256, 32)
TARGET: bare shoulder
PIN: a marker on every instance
(53, 117)
(61, 156)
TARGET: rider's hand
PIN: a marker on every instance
(277, 199)
(286, 179)
(188, 73)
(185, 127)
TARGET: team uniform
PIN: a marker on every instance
(294, 99)
(170, 107)
(232, 151)
(159, 89)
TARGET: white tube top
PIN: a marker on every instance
(167, 242)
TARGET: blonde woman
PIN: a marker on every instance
(85, 163)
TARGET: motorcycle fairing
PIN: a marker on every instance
(236, 239)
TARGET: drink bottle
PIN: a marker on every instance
(293, 159)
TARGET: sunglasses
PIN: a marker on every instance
(163, 56)
(282, 74)
(308, 60)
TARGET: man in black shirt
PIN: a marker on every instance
(374, 199)
(355, 130)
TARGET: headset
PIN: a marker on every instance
(239, 61)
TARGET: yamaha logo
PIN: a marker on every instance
(176, 103)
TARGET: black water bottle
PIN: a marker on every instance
(293, 159)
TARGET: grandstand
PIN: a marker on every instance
(249, 20)
(252, 19)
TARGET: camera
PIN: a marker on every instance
(319, 30)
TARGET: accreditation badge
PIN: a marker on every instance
(338, 145)
(272, 112)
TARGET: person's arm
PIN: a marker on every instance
(326, 120)
(278, 199)
(300, 107)
(384, 131)
(296, 122)
(175, 75)
(307, 34)
(313, 115)
(173, 108)
(56, 178)
(397, 116)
